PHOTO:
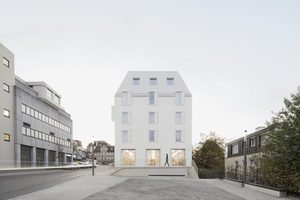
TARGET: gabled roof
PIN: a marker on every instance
(144, 86)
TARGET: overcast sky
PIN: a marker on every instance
(239, 58)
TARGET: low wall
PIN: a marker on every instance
(273, 192)
(151, 171)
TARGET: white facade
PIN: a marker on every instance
(153, 117)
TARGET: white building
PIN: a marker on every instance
(153, 118)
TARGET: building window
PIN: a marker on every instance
(126, 136)
(235, 149)
(152, 98)
(6, 137)
(153, 157)
(126, 98)
(126, 117)
(178, 157)
(136, 81)
(5, 62)
(28, 132)
(28, 110)
(23, 108)
(179, 136)
(23, 130)
(170, 81)
(153, 136)
(179, 99)
(6, 113)
(179, 117)
(128, 157)
(6, 87)
(252, 142)
(153, 117)
(32, 111)
(153, 81)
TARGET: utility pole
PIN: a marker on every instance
(245, 160)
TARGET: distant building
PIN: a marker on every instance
(153, 119)
(104, 153)
(35, 130)
(234, 152)
(79, 153)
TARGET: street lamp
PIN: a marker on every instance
(245, 159)
(93, 170)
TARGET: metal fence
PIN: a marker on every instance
(251, 178)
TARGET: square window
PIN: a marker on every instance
(153, 81)
(6, 137)
(6, 113)
(136, 81)
(170, 81)
(6, 87)
(5, 62)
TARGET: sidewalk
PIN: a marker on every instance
(78, 188)
(244, 193)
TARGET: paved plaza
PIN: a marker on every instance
(103, 186)
(169, 189)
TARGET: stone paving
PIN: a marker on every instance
(162, 189)
(103, 186)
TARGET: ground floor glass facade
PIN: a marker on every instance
(178, 157)
(153, 157)
(128, 157)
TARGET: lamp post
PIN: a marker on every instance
(93, 170)
(245, 159)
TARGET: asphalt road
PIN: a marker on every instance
(20, 183)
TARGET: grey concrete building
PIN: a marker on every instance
(38, 131)
(7, 81)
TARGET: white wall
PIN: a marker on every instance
(140, 124)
